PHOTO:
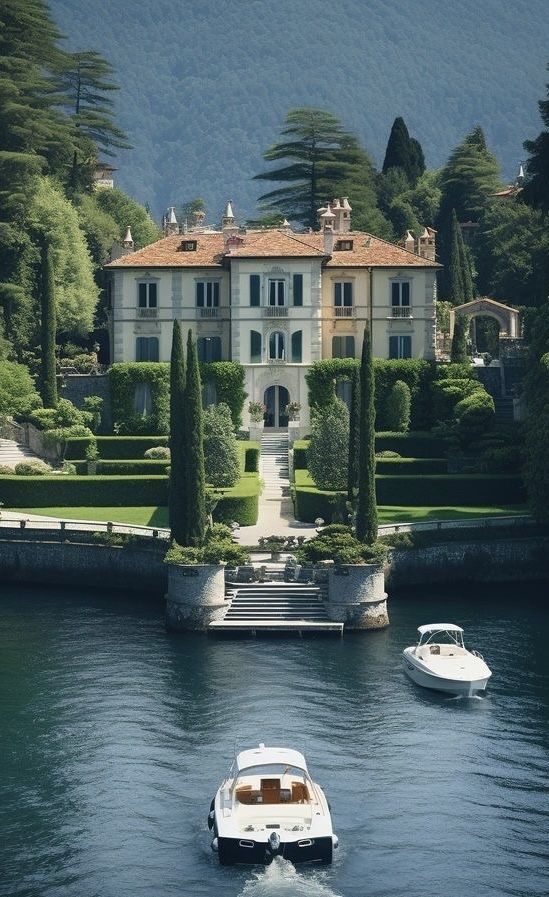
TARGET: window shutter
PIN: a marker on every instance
(337, 294)
(406, 346)
(347, 294)
(200, 295)
(216, 348)
(254, 289)
(349, 347)
(297, 343)
(255, 347)
(152, 295)
(298, 289)
(153, 348)
(405, 294)
(140, 348)
(393, 346)
(142, 295)
(216, 294)
(336, 347)
(395, 294)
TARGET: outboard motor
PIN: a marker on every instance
(273, 845)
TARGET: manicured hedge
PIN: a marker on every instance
(113, 448)
(242, 509)
(251, 464)
(410, 466)
(411, 445)
(137, 467)
(468, 490)
(78, 491)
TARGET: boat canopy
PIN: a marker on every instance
(439, 627)
(263, 756)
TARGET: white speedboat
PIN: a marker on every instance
(269, 806)
(441, 661)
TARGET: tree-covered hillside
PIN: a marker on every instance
(205, 86)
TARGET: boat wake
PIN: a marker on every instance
(281, 879)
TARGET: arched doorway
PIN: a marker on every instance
(275, 400)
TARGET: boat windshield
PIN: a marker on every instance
(441, 636)
(272, 769)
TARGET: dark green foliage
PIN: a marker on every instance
(124, 378)
(329, 446)
(48, 380)
(242, 509)
(536, 387)
(458, 352)
(78, 491)
(536, 188)
(411, 466)
(221, 457)
(338, 544)
(180, 509)
(194, 447)
(228, 379)
(366, 511)
(468, 178)
(354, 436)
(251, 464)
(17, 390)
(399, 404)
(127, 211)
(411, 445)
(403, 152)
(137, 467)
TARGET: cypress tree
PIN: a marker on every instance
(458, 352)
(397, 154)
(48, 328)
(196, 481)
(536, 188)
(178, 498)
(366, 514)
(354, 435)
(456, 289)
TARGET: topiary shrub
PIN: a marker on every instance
(341, 547)
(475, 416)
(35, 468)
(328, 449)
(399, 404)
(6, 471)
(157, 453)
(221, 457)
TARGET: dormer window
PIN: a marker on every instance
(344, 246)
(188, 246)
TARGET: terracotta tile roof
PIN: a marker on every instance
(166, 253)
(273, 243)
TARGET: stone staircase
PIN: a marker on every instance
(504, 409)
(273, 464)
(11, 453)
(276, 607)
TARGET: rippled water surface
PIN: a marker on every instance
(114, 736)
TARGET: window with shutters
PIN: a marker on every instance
(343, 347)
(343, 294)
(255, 290)
(147, 294)
(297, 346)
(298, 289)
(207, 294)
(208, 348)
(277, 346)
(400, 347)
(255, 347)
(277, 292)
(146, 348)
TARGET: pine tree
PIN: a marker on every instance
(48, 329)
(195, 479)
(178, 496)
(354, 436)
(366, 514)
(321, 161)
(468, 178)
(536, 188)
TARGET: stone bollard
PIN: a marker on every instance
(357, 596)
(195, 596)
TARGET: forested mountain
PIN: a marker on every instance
(205, 86)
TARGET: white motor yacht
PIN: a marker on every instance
(269, 806)
(441, 661)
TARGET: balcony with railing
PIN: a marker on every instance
(212, 312)
(147, 313)
(401, 311)
(344, 311)
(275, 311)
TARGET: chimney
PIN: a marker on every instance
(171, 227)
(127, 242)
(328, 238)
(520, 176)
(426, 244)
(320, 213)
(409, 242)
(286, 226)
(338, 212)
(346, 215)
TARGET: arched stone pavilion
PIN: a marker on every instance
(507, 317)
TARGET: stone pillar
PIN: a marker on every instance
(357, 596)
(195, 596)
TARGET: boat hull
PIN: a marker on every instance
(241, 851)
(422, 677)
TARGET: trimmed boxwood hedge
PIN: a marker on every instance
(242, 509)
(114, 448)
(251, 464)
(137, 467)
(79, 491)
(410, 466)
(409, 445)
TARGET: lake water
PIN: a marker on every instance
(114, 736)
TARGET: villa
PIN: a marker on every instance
(274, 299)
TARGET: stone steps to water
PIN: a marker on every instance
(274, 607)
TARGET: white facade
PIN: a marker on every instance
(274, 300)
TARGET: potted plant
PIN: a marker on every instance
(256, 411)
(292, 409)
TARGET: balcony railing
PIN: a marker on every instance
(401, 311)
(275, 311)
(208, 312)
(147, 312)
(344, 311)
